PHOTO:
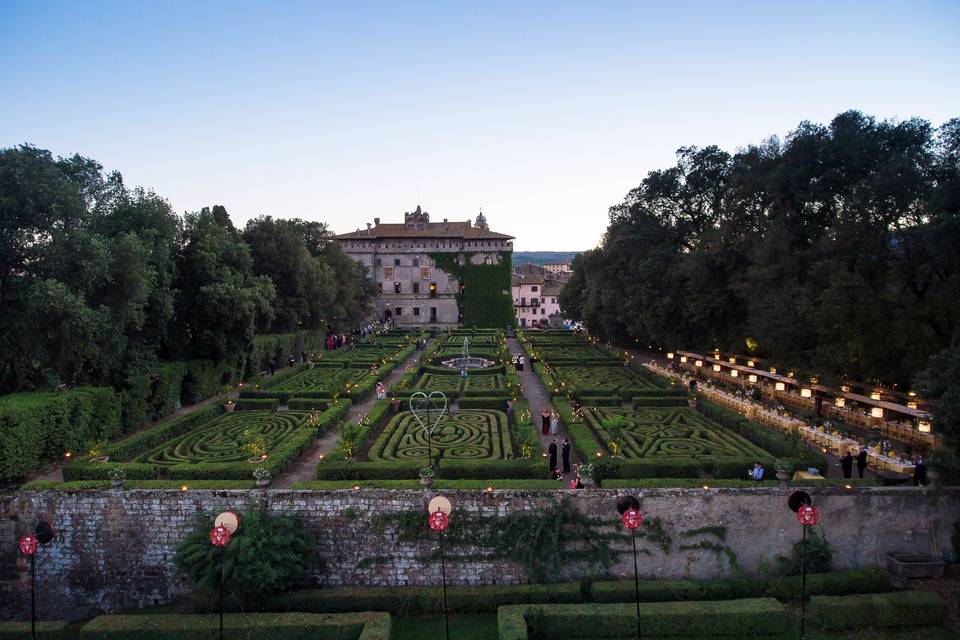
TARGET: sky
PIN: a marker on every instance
(543, 114)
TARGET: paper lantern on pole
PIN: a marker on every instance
(805, 393)
(439, 521)
(219, 536)
(808, 515)
(28, 545)
(632, 519)
(780, 386)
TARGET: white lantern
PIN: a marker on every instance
(805, 393)
(699, 363)
(670, 355)
(923, 426)
(732, 360)
(749, 363)
(773, 369)
(733, 373)
(912, 404)
(683, 358)
(841, 402)
(780, 386)
(874, 395)
(716, 367)
(753, 377)
(876, 412)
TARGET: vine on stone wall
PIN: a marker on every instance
(486, 300)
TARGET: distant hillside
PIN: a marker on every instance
(543, 257)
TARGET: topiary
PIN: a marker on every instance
(267, 554)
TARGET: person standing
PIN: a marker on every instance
(846, 463)
(554, 422)
(273, 367)
(545, 422)
(565, 455)
(552, 450)
(861, 461)
(919, 470)
(520, 362)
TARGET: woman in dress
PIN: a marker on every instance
(545, 421)
(554, 422)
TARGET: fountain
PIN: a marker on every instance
(465, 361)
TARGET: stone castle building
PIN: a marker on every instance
(413, 290)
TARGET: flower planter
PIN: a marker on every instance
(692, 403)
(587, 482)
(426, 482)
(261, 483)
(229, 406)
(116, 484)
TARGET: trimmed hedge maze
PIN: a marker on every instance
(468, 435)
(671, 432)
(604, 380)
(453, 384)
(222, 440)
(324, 379)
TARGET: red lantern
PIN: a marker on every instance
(632, 519)
(808, 515)
(439, 521)
(219, 536)
(28, 545)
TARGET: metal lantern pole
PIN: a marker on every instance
(220, 537)
(808, 516)
(803, 584)
(439, 522)
(632, 520)
(33, 598)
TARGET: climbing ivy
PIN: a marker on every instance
(486, 300)
(542, 541)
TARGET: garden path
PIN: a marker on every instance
(538, 397)
(304, 469)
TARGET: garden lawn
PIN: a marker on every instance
(470, 434)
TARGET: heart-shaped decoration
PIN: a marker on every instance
(428, 410)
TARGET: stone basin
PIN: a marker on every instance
(904, 566)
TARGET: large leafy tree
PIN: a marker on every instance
(836, 249)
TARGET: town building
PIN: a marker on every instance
(401, 259)
(536, 295)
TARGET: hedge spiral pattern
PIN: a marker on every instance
(601, 379)
(221, 440)
(672, 432)
(471, 434)
(321, 379)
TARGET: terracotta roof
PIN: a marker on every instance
(518, 279)
(433, 230)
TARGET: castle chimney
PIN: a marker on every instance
(368, 226)
(375, 221)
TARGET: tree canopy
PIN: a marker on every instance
(836, 250)
(98, 281)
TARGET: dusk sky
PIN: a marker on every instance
(543, 114)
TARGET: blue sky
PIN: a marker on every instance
(543, 114)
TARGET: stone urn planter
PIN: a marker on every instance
(587, 482)
(905, 566)
(692, 403)
(394, 406)
(263, 482)
(116, 483)
(783, 476)
(425, 482)
(229, 406)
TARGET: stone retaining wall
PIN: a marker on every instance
(114, 549)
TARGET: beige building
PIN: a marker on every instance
(413, 290)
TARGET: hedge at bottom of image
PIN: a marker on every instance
(242, 626)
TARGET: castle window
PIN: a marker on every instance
(396, 262)
(433, 289)
(397, 288)
(416, 311)
(416, 262)
(398, 311)
(416, 287)
(533, 288)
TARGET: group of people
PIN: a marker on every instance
(421, 344)
(518, 361)
(846, 463)
(381, 391)
(550, 422)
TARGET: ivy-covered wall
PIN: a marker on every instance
(486, 300)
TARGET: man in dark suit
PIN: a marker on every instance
(862, 461)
